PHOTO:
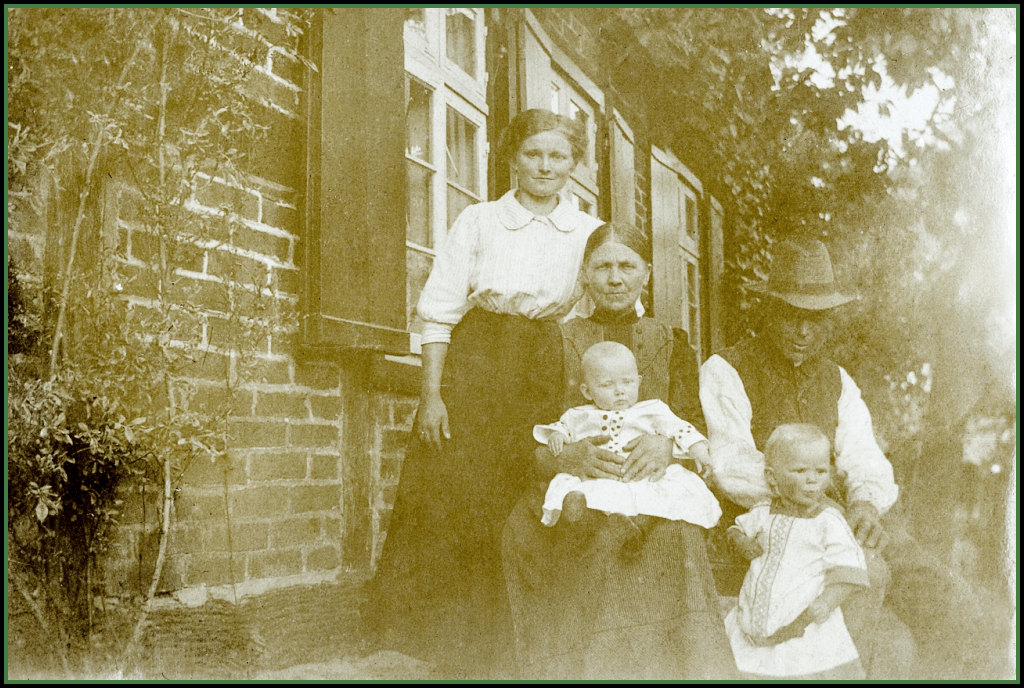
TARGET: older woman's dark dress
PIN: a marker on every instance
(582, 607)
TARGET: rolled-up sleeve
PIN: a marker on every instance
(445, 298)
(737, 465)
(869, 476)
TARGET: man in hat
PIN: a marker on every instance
(783, 376)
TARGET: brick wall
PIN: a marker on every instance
(278, 507)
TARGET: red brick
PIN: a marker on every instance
(404, 412)
(130, 204)
(206, 473)
(213, 569)
(172, 577)
(185, 326)
(145, 247)
(216, 399)
(261, 242)
(273, 32)
(239, 201)
(203, 294)
(390, 469)
(309, 498)
(280, 216)
(286, 280)
(326, 407)
(185, 539)
(294, 532)
(393, 442)
(282, 405)
(318, 376)
(332, 528)
(312, 435)
(323, 559)
(271, 372)
(274, 563)
(323, 467)
(237, 268)
(263, 87)
(140, 281)
(245, 537)
(258, 502)
(258, 433)
(190, 507)
(265, 467)
(205, 365)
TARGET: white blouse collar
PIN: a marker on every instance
(514, 216)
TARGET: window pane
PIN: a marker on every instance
(461, 41)
(462, 158)
(691, 217)
(417, 205)
(457, 202)
(417, 119)
(555, 91)
(417, 269)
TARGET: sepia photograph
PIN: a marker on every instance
(512, 344)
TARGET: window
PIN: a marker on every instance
(569, 101)
(554, 82)
(676, 234)
(446, 124)
(623, 171)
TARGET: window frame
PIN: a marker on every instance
(466, 94)
(679, 295)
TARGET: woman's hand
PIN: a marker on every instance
(432, 417)
(432, 420)
(583, 459)
(649, 457)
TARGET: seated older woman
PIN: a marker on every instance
(594, 599)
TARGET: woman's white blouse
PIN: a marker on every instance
(502, 258)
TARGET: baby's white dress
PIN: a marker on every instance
(801, 556)
(680, 495)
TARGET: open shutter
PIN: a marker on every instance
(356, 189)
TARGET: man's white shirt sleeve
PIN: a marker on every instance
(736, 464)
(869, 476)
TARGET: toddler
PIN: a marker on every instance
(611, 381)
(805, 561)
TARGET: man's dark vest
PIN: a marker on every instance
(781, 393)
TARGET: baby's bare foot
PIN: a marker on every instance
(574, 507)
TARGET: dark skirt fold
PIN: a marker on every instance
(586, 608)
(439, 592)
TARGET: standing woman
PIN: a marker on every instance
(492, 369)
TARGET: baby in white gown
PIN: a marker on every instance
(612, 382)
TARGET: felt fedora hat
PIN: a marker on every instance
(802, 276)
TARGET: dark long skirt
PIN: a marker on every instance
(439, 592)
(587, 608)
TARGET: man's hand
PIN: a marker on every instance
(649, 456)
(867, 525)
(583, 459)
